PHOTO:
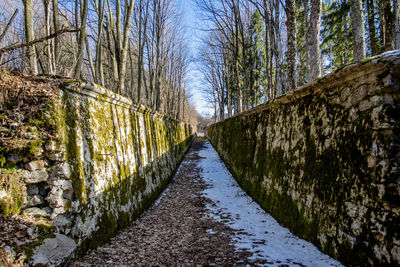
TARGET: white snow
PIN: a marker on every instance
(255, 230)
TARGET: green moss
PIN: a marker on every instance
(11, 181)
(366, 60)
(325, 165)
(35, 147)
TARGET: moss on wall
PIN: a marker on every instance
(121, 158)
(325, 162)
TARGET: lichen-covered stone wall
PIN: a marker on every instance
(98, 161)
(114, 158)
(325, 160)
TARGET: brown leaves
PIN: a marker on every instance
(174, 232)
(22, 97)
(16, 233)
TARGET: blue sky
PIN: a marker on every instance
(194, 82)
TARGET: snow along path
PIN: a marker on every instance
(254, 230)
(203, 218)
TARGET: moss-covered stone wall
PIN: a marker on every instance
(97, 161)
(118, 157)
(325, 160)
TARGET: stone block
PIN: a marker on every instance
(35, 165)
(36, 176)
(35, 200)
(61, 170)
(36, 212)
(54, 251)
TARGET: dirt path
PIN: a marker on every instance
(204, 218)
(174, 231)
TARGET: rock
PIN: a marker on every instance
(31, 232)
(35, 165)
(3, 194)
(55, 198)
(51, 147)
(36, 176)
(62, 170)
(64, 185)
(62, 221)
(14, 158)
(57, 156)
(32, 189)
(35, 212)
(35, 200)
(53, 251)
(56, 212)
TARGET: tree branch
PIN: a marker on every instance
(8, 25)
(51, 36)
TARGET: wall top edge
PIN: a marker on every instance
(102, 94)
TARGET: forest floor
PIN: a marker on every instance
(204, 218)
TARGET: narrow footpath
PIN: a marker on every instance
(205, 218)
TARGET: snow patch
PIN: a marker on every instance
(255, 230)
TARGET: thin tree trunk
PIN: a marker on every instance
(313, 51)
(346, 38)
(371, 27)
(99, 78)
(30, 36)
(397, 27)
(357, 23)
(291, 44)
(56, 42)
(50, 59)
(91, 65)
(389, 27)
(81, 40)
(124, 48)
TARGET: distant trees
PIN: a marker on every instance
(256, 50)
(136, 48)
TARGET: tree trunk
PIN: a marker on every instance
(99, 50)
(124, 49)
(81, 39)
(371, 27)
(388, 24)
(50, 59)
(397, 27)
(313, 51)
(357, 23)
(346, 36)
(30, 36)
(291, 43)
(56, 42)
